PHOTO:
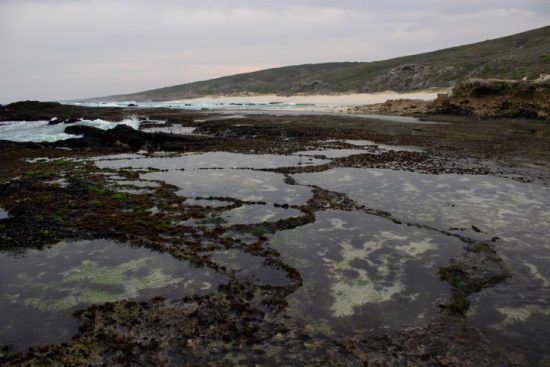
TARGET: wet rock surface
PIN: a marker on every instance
(361, 256)
(130, 138)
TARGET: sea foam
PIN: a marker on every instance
(41, 131)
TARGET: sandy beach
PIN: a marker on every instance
(323, 103)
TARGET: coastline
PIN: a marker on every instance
(122, 184)
(313, 103)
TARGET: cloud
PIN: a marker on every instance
(54, 49)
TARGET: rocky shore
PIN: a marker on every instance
(479, 98)
(122, 184)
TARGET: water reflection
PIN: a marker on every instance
(516, 216)
(363, 272)
(211, 160)
(246, 185)
(251, 214)
(39, 291)
(251, 268)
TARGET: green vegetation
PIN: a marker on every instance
(49, 170)
(514, 57)
(122, 196)
(97, 190)
(462, 288)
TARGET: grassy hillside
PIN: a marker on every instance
(522, 55)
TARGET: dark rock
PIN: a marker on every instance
(71, 120)
(88, 131)
(54, 121)
(34, 111)
(496, 98)
(127, 137)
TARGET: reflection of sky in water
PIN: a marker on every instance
(3, 214)
(360, 269)
(362, 272)
(250, 268)
(244, 185)
(212, 160)
(501, 207)
(250, 214)
(40, 290)
(515, 314)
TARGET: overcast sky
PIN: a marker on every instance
(53, 49)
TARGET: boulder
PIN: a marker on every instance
(127, 137)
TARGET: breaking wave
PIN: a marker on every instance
(41, 131)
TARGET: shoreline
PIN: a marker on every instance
(326, 100)
(336, 103)
(120, 184)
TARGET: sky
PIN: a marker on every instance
(61, 49)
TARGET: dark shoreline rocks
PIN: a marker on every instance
(35, 111)
(56, 121)
(495, 98)
(242, 319)
(477, 98)
(125, 136)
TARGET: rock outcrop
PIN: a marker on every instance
(496, 98)
(131, 139)
(479, 98)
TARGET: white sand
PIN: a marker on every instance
(319, 101)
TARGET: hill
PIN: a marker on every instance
(514, 57)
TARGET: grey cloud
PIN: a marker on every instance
(55, 49)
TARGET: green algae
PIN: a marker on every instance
(41, 289)
(49, 170)
(97, 190)
(123, 280)
(71, 301)
(121, 196)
